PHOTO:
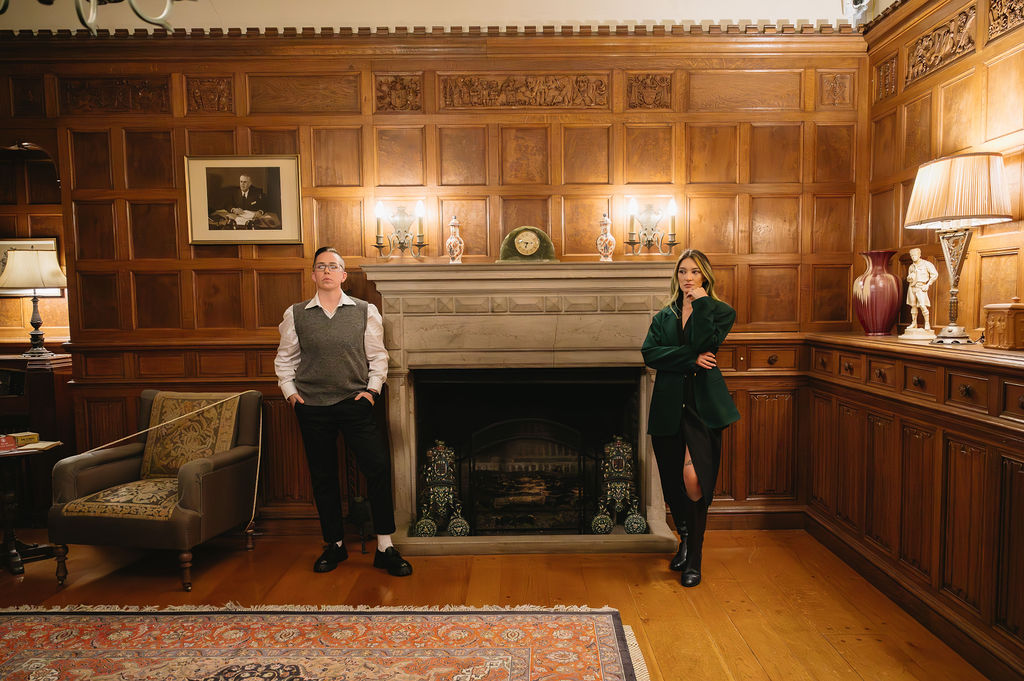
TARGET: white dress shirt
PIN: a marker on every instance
(286, 364)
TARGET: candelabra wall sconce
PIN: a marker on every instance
(401, 237)
(649, 236)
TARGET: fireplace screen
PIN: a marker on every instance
(527, 442)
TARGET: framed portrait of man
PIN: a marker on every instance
(243, 199)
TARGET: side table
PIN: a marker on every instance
(17, 553)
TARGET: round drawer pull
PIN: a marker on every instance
(772, 359)
(848, 367)
(880, 374)
(966, 390)
(917, 382)
(822, 362)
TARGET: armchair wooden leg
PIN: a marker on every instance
(185, 563)
(60, 552)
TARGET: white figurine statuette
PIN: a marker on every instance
(920, 276)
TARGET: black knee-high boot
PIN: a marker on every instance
(696, 523)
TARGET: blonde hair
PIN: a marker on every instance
(708, 276)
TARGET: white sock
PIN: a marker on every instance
(340, 542)
(383, 542)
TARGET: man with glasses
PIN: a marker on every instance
(331, 365)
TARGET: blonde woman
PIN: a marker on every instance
(690, 405)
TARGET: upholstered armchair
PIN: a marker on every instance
(173, 487)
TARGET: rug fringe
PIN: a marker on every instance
(237, 607)
(636, 655)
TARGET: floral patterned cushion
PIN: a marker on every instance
(154, 498)
(200, 435)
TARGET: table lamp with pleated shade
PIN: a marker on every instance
(33, 270)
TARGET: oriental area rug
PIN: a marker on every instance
(283, 643)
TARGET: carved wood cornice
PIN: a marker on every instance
(942, 45)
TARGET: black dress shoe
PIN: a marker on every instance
(330, 558)
(391, 560)
(678, 560)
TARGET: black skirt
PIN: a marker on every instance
(705, 446)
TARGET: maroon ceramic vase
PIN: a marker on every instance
(876, 295)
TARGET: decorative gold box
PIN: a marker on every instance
(1004, 325)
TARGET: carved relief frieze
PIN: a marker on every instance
(885, 79)
(1004, 16)
(210, 95)
(519, 304)
(835, 90)
(398, 92)
(942, 44)
(114, 95)
(543, 91)
(649, 91)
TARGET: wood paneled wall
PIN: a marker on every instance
(946, 78)
(759, 138)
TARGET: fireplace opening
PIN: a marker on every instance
(527, 442)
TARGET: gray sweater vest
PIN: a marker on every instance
(332, 354)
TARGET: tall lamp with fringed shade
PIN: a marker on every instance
(953, 195)
(33, 270)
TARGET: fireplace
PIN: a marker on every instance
(527, 441)
(476, 346)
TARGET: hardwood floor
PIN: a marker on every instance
(773, 604)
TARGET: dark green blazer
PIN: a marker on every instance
(675, 358)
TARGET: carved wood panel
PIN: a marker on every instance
(274, 292)
(882, 482)
(776, 153)
(885, 79)
(832, 228)
(335, 93)
(711, 221)
(339, 223)
(401, 156)
(967, 497)
(149, 159)
(210, 94)
(837, 89)
(917, 131)
(516, 212)
(218, 297)
(157, 298)
(337, 157)
(958, 113)
(768, 285)
(90, 160)
(474, 223)
(942, 45)
(850, 426)
(649, 90)
(463, 151)
(398, 92)
(1004, 107)
(211, 142)
(581, 223)
(98, 301)
(586, 157)
(711, 151)
(917, 497)
(83, 96)
(1004, 16)
(823, 453)
(94, 229)
(833, 153)
(1009, 595)
(830, 293)
(775, 224)
(771, 463)
(153, 229)
(524, 155)
(648, 154)
(524, 91)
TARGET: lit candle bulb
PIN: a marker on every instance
(420, 212)
(632, 209)
(378, 211)
(672, 210)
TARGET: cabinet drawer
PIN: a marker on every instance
(851, 367)
(1013, 399)
(726, 359)
(822, 362)
(920, 380)
(882, 374)
(967, 390)
(762, 359)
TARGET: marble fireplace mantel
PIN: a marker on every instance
(440, 316)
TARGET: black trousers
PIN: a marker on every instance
(670, 452)
(320, 427)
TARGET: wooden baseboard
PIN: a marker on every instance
(973, 644)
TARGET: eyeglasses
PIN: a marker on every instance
(327, 267)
